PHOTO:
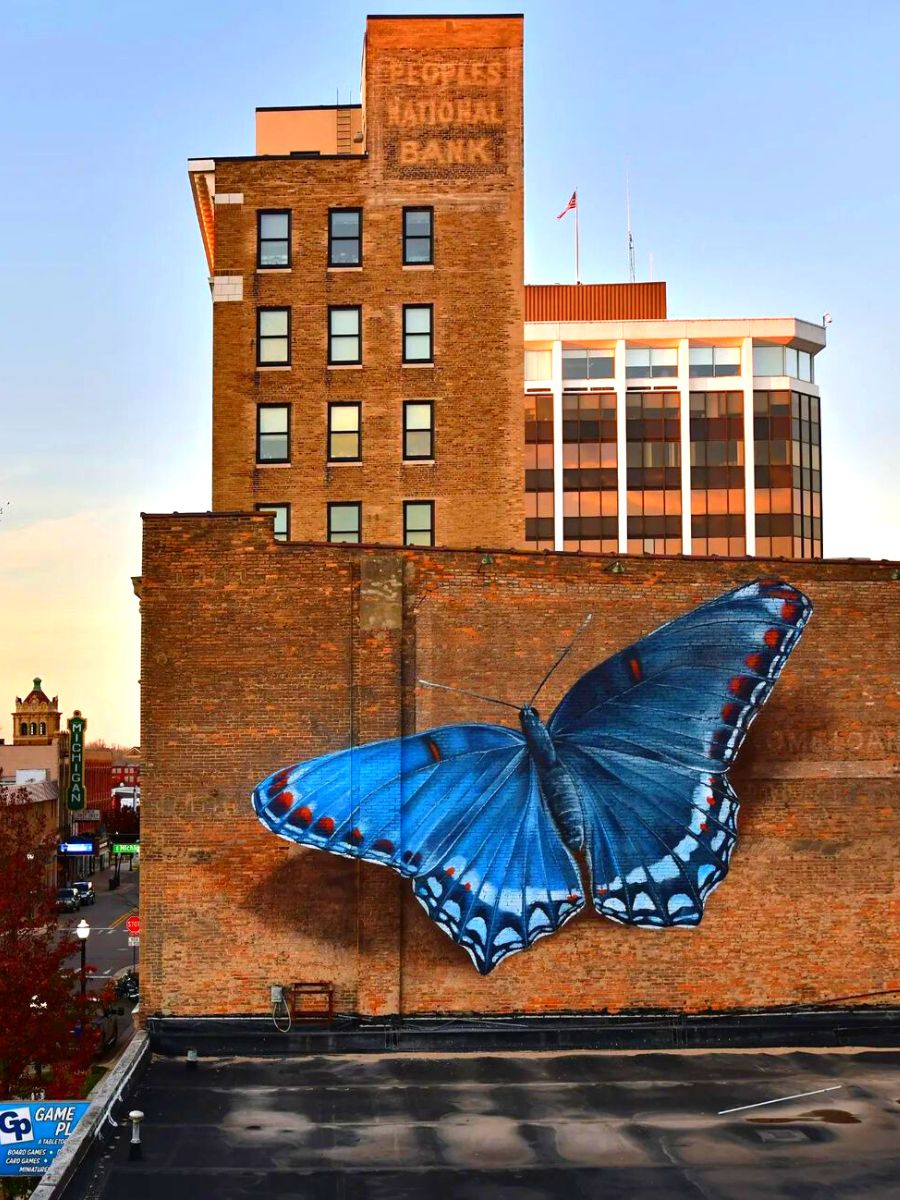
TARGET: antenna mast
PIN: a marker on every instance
(628, 223)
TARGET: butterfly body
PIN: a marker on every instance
(631, 769)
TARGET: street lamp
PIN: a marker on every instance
(84, 931)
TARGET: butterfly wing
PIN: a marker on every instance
(647, 737)
(459, 809)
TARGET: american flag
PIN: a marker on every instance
(573, 203)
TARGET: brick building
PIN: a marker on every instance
(370, 385)
(319, 647)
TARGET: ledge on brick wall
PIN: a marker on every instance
(785, 1027)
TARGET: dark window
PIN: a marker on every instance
(273, 423)
(282, 514)
(418, 522)
(418, 236)
(418, 320)
(345, 522)
(273, 337)
(345, 237)
(653, 472)
(344, 334)
(344, 441)
(23, 729)
(539, 472)
(274, 238)
(717, 471)
(418, 429)
(590, 474)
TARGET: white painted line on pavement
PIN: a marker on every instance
(780, 1100)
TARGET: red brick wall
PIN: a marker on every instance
(256, 655)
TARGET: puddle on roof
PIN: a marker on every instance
(829, 1116)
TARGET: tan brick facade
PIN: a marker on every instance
(257, 655)
(443, 128)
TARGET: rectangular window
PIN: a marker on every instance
(417, 333)
(344, 438)
(418, 236)
(418, 522)
(538, 364)
(588, 364)
(710, 361)
(768, 359)
(273, 238)
(344, 334)
(651, 362)
(345, 522)
(282, 514)
(273, 425)
(273, 337)
(418, 429)
(345, 237)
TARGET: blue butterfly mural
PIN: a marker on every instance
(630, 771)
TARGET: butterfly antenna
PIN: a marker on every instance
(578, 632)
(462, 691)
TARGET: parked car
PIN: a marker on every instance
(85, 890)
(68, 899)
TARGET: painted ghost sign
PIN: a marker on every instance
(631, 769)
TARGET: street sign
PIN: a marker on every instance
(75, 796)
(89, 814)
(81, 847)
(31, 1135)
(126, 847)
(134, 940)
(133, 924)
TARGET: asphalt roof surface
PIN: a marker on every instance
(523, 1126)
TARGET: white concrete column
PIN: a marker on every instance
(621, 464)
(556, 386)
(749, 448)
(684, 392)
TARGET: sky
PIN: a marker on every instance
(761, 148)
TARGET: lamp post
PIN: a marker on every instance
(83, 930)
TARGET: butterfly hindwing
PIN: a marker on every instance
(460, 810)
(647, 737)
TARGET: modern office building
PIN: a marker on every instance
(673, 437)
(366, 269)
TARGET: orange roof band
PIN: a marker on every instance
(595, 302)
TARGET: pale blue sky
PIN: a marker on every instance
(764, 175)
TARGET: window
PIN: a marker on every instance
(538, 364)
(273, 337)
(653, 472)
(418, 522)
(717, 473)
(344, 442)
(768, 360)
(345, 522)
(418, 236)
(33, 729)
(651, 362)
(590, 474)
(344, 335)
(539, 533)
(274, 239)
(417, 333)
(43, 728)
(588, 364)
(282, 514)
(715, 361)
(273, 433)
(23, 729)
(418, 429)
(345, 237)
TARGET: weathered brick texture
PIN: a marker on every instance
(257, 655)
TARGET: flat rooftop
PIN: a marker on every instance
(521, 1126)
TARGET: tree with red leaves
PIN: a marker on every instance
(48, 1037)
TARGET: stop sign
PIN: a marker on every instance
(133, 925)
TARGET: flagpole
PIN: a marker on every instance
(577, 267)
